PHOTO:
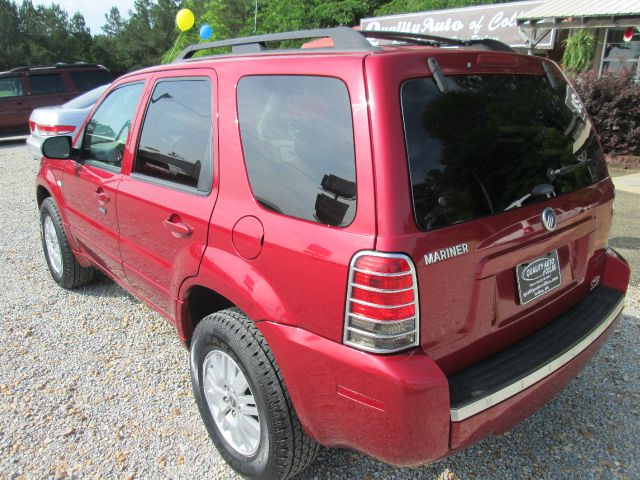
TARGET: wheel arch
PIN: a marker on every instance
(42, 193)
(224, 281)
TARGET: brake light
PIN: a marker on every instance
(47, 130)
(382, 313)
(32, 126)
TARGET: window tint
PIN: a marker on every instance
(10, 87)
(491, 143)
(88, 79)
(175, 143)
(297, 137)
(46, 84)
(106, 133)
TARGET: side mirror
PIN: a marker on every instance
(58, 148)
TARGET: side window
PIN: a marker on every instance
(106, 133)
(11, 87)
(88, 79)
(297, 137)
(46, 84)
(176, 138)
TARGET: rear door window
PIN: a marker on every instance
(297, 137)
(176, 139)
(492, 143)
(46, 84)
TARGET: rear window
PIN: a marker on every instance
(297, 138)
(87, 99)
(46, 84)
(491, 143)
(88, 79)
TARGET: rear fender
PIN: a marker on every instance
(235, 279)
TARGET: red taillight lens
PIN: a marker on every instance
(32, 126)
(382, 312)
(47, 130)
(385, 283)
(390, 298)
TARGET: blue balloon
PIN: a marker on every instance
(205, 32)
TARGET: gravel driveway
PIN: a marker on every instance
(93, 384)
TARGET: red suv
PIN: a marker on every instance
(398, 249)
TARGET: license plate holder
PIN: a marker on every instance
(538, 276)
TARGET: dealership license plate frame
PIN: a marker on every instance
(537, 285)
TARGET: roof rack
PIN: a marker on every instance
(344, 38)
(56, 65)
(433, 40)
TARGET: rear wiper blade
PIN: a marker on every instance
(553, 173)
(543, 189)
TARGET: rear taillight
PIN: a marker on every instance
(382, 313)
(48, 130)
(32, 126)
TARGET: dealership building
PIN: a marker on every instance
(537, 27)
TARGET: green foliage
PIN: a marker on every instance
(578, 51)
(36, 34)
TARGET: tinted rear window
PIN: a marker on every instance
(297, 137)
(492, 143)
(46, 84)
(88, 79)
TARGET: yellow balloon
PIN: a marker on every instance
(185, 19)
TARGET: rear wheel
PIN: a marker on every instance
(64, 267)
(243, 400)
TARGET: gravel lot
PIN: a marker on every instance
(93, 384)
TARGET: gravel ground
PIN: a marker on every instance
(94, 384)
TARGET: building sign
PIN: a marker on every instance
(487, 21)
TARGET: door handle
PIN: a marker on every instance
(177, 227)
(102, 196)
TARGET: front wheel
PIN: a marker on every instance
(243, 400)
(64, 267)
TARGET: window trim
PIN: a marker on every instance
(353, 136)
(208, 168)
(96, 163)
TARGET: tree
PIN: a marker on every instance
(10, 44)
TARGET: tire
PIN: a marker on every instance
(63, 266)
(283, 449)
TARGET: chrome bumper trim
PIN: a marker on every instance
(462, 413)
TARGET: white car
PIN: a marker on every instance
(63, 119)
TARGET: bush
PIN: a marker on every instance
(613, 101)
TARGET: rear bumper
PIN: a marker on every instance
(403, 410)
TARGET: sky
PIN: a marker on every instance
(92, 10)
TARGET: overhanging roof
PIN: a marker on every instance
(561, 14)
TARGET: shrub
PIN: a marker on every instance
(578, 51)
(613, 101)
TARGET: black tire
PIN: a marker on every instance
(284, 449)
(73, 274)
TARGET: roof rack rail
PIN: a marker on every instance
(344, 38)
(27, 68)
(421, 39)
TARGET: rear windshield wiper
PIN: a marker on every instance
(553, 173)
(537, 191)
